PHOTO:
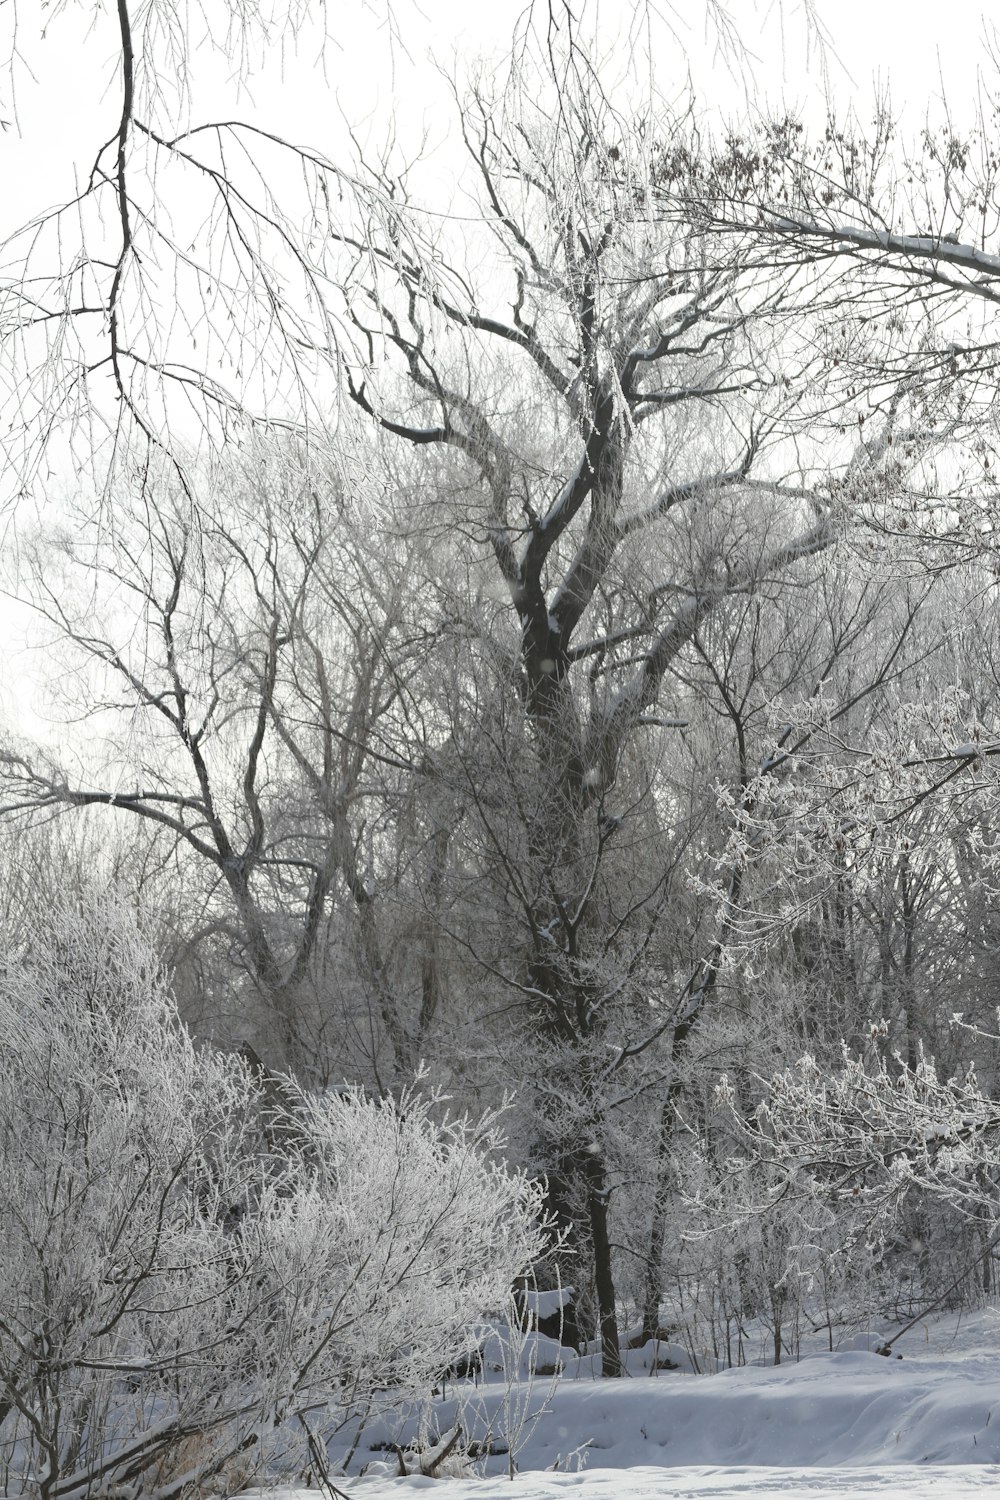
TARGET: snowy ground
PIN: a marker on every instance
(901, 1483)
(846, 1424)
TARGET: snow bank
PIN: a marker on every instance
(694, 1484)
(937, 1406)
(829, 1410)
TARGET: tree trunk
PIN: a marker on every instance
(597, 1211)
(652, 1288)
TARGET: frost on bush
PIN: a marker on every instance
(879, 1145)
(188, 1270)
(874, 1128)
(413, 1233)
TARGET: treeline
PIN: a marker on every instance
(600, 710)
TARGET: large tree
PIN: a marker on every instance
(627, 416)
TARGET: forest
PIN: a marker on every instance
(512, 825)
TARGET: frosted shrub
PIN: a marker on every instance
(189, 1271)
(416, 1233)
(902, 1159)
(873, 1130)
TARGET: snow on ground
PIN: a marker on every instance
(899, 1483)
(844, 1424)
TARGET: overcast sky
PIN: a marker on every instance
(372, 71)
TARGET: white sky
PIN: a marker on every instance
(370, 76)
(68, 98)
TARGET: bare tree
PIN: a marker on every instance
(912, 226)
(179, 294)
(262, 658)
(618, 406)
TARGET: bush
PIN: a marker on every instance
(189, 1267)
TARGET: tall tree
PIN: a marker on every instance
(617, 406)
